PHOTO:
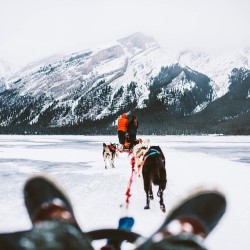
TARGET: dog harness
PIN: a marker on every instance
(111, 147)
(151, 152)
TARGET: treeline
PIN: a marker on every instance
(158, 123)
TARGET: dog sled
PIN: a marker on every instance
(126, 145)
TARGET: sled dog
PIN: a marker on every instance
(109, 154)
(154, 172)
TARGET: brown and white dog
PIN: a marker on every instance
(109, 154)
(139, 151)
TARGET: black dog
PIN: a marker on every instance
(109, 153)
(154, 171)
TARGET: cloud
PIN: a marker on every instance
(34, 29)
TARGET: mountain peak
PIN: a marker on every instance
(138, 40)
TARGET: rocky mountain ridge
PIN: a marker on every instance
(134, 74)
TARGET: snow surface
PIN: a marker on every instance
(76, 162)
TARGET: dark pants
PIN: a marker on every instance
(132, 140)
(121, 137)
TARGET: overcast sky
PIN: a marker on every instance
(33, 29)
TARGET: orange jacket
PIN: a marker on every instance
(123, 123)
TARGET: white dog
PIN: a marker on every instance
(139, 151)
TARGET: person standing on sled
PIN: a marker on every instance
(122, 128)
(132, 131)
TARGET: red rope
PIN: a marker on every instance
(128, 192)
(111, 147)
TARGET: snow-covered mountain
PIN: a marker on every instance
(133, 73)
(5, 70)
(216, 66)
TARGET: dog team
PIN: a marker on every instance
(148, 161)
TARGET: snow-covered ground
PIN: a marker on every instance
(76, 162)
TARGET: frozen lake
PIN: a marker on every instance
(96, 193)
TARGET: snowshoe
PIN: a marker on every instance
(204, 207)
(45, 200)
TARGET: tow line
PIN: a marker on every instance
(130, 182)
